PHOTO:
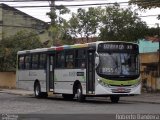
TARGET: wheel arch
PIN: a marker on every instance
(36, 82)
(76, 85)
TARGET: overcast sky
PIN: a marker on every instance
(40, 13)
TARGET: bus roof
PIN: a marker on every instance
(63, 47)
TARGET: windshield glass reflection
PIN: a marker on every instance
(118, 64)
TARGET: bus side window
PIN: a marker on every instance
(35, 61)
(81, 58)
(42, 61)
(21, 62)
(27, 61)
(69, 59)
(60, 61)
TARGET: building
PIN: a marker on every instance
(148, 46)
(150, 64)
(13, 20)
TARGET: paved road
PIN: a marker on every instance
(17, 104)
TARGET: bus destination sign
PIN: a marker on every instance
(117, 47)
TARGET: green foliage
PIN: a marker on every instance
(63, 10)
(59, 34)
(109, 23)
(121, 25)
(23, 40)
(56, 12)
(85, 23)
(59, 26)
(146, 4)
(153, 32)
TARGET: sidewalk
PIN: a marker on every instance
(144, 97)
(17, 92)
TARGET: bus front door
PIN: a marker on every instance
(91, 72)
(50, 71)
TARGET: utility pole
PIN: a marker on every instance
(53, 9)
(52, 16)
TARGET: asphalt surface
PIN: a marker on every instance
(144, 97)
(10, 103)
(22, 104)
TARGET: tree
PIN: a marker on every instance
(9, 47)
(85, 23)
(59, 34)
(146, 4)
(121, 25)
(59, 26)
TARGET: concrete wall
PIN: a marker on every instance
(149, 57)
(149, 70)
(7, 79)
(14, 21)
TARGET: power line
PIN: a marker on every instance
(149, 15)
(37, 12)
(78, 5)
(95, 4)
(26, 0)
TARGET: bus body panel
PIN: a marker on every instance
(100, 90)
(64, 80)
(26, 79)
(104, 89)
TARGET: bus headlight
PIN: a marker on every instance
(103, 83)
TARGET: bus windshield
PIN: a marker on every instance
(118, 65)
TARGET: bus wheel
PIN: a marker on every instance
(68, 96)
(80, 96)
(44, 94)
(37, 90)
(114, 99)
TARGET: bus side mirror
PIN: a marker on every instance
(96, 60)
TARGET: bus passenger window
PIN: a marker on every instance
(42, 61)
(21, 62)
(69, 65)
(81, 58)
(35, 61)
(60, 62)
(83, 65)
(27, 62)
(69, 59)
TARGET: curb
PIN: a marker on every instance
(151, 102)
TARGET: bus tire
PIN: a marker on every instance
(114, 99)
(80, 96)
(68, 96)
(44, 94)
(37, 90)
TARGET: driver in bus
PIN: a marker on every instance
(69, 64)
